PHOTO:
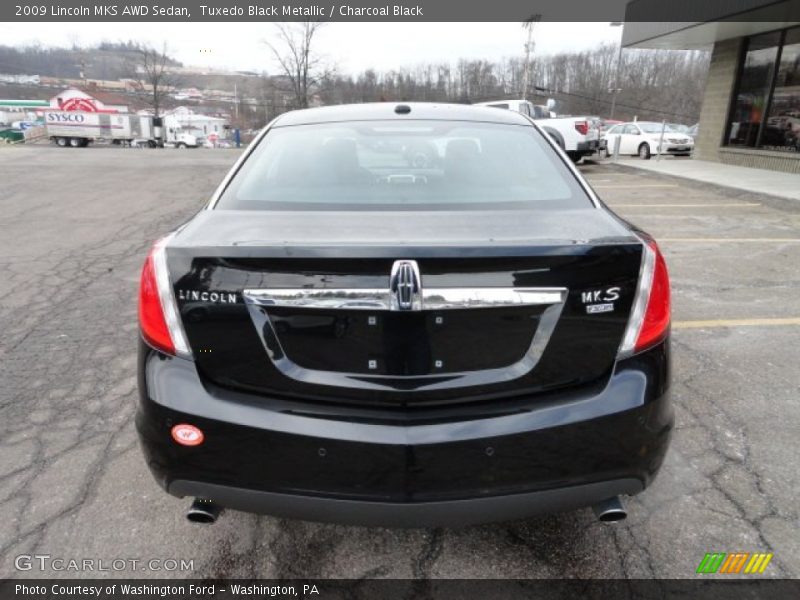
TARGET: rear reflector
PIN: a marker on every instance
(187, 435)
(158, 313)
(650, 315)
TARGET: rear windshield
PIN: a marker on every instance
(413, 165)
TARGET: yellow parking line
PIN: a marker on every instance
(730, 240)
(736, 323)
(721, 204)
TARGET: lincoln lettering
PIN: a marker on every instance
(69, 11)
(198, 296)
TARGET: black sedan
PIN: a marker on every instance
(351, 333)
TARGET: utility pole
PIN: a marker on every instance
(236, 101)
(616, 89)
(529, 47)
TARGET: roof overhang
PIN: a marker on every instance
(705, 22)
(24, 103)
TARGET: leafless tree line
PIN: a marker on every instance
(654, 84)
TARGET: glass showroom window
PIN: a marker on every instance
(782, 129)
(766, 107)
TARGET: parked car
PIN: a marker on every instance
(345, 335)
(10, 136)
(642, 138)
(577, 136)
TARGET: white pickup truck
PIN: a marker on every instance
(577, 136)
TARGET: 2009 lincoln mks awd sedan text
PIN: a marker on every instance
(404, 315)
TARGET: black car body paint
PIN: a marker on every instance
(406, 442)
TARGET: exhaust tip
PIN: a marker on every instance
(610, 510)
(612, 516)
(203, 511)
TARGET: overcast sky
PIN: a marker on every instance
(352, 46)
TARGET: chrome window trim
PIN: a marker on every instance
(259, 301)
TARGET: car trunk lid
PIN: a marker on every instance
(305, 304)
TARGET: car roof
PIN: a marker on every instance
(386, 111)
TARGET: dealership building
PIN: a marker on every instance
(750, 113)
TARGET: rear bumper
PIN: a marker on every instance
(677, 149)
(446, 513)
(334, 464)
(588, 147)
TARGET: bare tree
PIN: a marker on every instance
(303, 68)
(150, 69)
(657, 84)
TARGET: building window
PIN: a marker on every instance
(783, 119)
(766, 106)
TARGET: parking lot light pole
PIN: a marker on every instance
(661, 139)
(616, 89)
(529, 24)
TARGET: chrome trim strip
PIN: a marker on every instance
(342, 298)
(457, 298)
(259, 301)
(385, 299)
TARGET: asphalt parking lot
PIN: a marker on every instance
(75, 225)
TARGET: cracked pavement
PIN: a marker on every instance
(76, 225)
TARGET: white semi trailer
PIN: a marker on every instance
(78, 129)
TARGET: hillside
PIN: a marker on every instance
(107, 60)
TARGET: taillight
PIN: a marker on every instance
(158, 313)
(582, 127)
(650, 314)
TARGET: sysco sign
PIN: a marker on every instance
(65, 117)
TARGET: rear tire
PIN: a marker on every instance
(75, 142)
(574, 157)
(62, 142)
(644, 151)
